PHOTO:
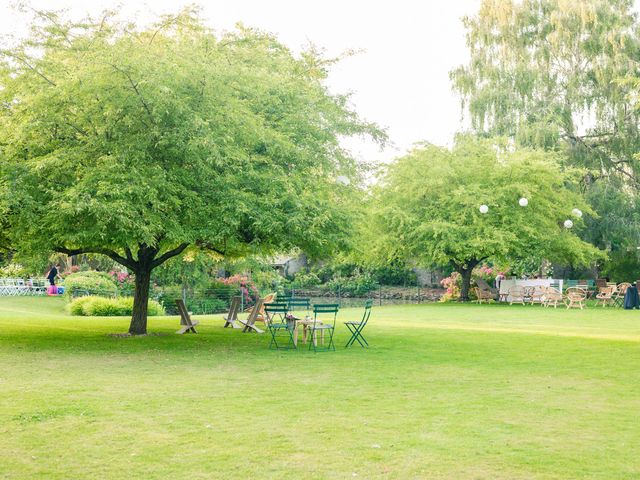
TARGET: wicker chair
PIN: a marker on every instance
(605, 296)
(516, 295)
(575, 297)
(618, 296)
(552, 296)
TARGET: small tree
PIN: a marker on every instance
(427, 208)
(137, 143)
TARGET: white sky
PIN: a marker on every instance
(400, 81)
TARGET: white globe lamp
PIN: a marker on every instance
(523, 202)
(576, 212)
(483, 209)
(568, 224)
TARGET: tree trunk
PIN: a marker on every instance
(140, 301)
(466, 284)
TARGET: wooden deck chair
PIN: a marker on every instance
(261, 315)
(250, 322)
(483, 295)
(232, 317)
(188, 325)
(483, 285)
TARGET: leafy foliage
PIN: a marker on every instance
(95, 306)
(98, 283)
(137, 143)
(427, 208)
(564, 76)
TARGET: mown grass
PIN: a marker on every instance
(445, 391)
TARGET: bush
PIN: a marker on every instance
(200, 302)
(358, 285)
(14, 270)
(93, 306)
(305, 280)
(91, 282)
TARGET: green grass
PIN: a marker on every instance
(445, 391)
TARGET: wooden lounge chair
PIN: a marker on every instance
(250, 322)
(483, 295)
(188, 325)
(232, 317)
(483, 285)
(262, 317)
(575, 297)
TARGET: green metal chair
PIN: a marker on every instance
(323, 322)
(298, 304)
(356, 327)
(279, 325)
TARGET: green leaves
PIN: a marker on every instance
(115, 137)
(428, 208)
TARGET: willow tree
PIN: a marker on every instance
(561, 75)
(137, 143)
(427, 208)
(555, 73)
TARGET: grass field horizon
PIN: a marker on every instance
(445, 391)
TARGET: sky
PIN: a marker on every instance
(399, 80)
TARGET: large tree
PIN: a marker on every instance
(137, 143)
(562, 75)
(427, 208)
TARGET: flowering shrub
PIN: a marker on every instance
(484, 272)
(13, 270)
(243, 284)
(123, 281)
(452, 284)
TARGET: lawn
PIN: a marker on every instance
(445, 391)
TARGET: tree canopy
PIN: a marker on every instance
(563, 76)
(139, 142)
(427, 207)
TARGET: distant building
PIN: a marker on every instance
(428, 278)
(289, 265)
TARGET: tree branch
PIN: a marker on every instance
(135, 89)
(103, 251)
(208, 246)
(29, 66)
(170, 254)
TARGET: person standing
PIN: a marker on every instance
(53, 274)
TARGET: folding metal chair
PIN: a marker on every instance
(279, 325)
(356, 327)
(322, 310)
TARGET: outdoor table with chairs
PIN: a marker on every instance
(548, 292)
(285, 318)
